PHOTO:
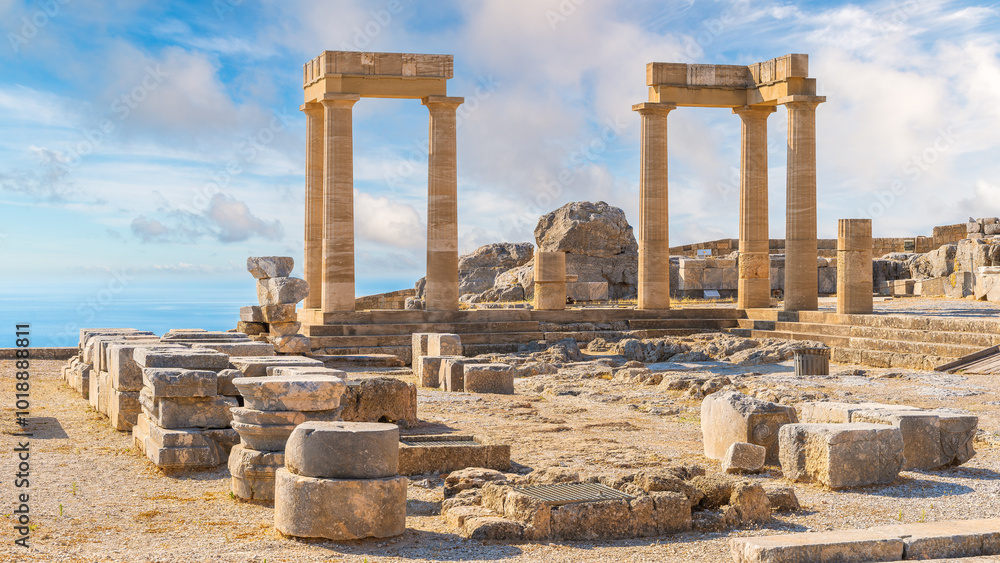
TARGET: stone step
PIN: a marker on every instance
(814, 328)
(410, 328)
(664, 324)
(946, 540)
(875, 344)
(753, 324)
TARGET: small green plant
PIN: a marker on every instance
(923, 515)
(900, 517)
(60, 510)
(232, 495)
(32, 527)
(73, 488)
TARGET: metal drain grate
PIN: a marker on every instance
(558, 495)
(438, 441)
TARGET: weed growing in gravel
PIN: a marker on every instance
(60, 510)
(73, 488)
(900, 517)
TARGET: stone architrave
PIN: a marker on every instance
(854, 267)
(801, 246)
(338, 202)
(654, 233)
(754, 285)
(442, 204)
(730, 416)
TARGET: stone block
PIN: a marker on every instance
(742, 457)
(343, 450)
(430, 370)
(285, 371)
(489, 378)
(190, 336)
(279, 313)
(248, 348)
(123, 409)
(244, 415)
(253, 472)
(172, 382)
(451, 375)
(256, 366)
(291, 392)
(730, 416)
(419, 347)
(263, 267)
(281, 291)
(954, 539)
(284, 329)
(175, 412)
(293, 344)
(339, 509)
(841, 455)
(443, 344)
(189, 358)
(265, 438)
(251, 314)
(420, 455)
(225, 380)
(126, 374)
(93, 392)
(857, 546)
(103, 343)
(380, 399)
(251, 329)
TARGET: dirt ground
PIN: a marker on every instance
(93, 497)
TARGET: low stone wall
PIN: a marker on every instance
(391, 300)
(40, 353)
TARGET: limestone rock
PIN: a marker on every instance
(380, 399)
(262, 267)
(343, 450)
(478, 270)
(489, 378)
(281, 291)
(183, 358)
(294, 344)
(937, 263)
(470, 478)
(291, 392)
(783, 498)
(730, 416)
(282, 313)
(174, 382)
(493, 528)
(748, 504)
(841, 455)
(195, 412)
(284, 329)
(256, 366)
(251, 314)
(339, 509)
(716, 489)
(244, 415)
(742, 457)
(253, 472)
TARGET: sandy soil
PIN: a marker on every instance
(95, 498)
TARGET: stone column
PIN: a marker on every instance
(801, 283)
(338, 203)
(550, 281)
(754, 285)
(654, 232)
(313, 255)
(854, 267)
(441, 292)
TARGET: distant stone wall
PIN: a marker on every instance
(391, 300)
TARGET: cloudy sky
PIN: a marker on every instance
(163, 139)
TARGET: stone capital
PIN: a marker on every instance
(654, 108)
(311, 107)
(754, 112)
(339, 100)
(442, 102)
(801, 101)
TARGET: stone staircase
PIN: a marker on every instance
(887, 341)
(503, 330)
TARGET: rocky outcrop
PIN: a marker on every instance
(478, 270)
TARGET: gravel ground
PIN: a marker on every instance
(95, 498)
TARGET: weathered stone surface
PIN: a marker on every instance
(430, 370)
(251, 329)
(249, 348)
(187, 448)
(380, 399)
(291, 392)
(716, 489)
(841, 455)
(343, 450)
(742, 457)
(470, 478)
(281, 291)
(225, 382)
(251, 314)
(256, 366)
(280, 313)
(126, 374)
(265, 438)
(451, 375)
(478, 270)
(190, 358)
(416, 458)
(284, 329)
(123, 409)
(253, 472)
(262, 267)
(174, 412)
(748, 504)
(859, 546)
(958, 433)
(947, 539)
(441, 344)
(245, 415)
(294, 344)
(173, 382)
(489, 378)
(339, 509)
(783, 499)
(730, 416)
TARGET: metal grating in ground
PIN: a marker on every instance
(560, 494)
(438, 441)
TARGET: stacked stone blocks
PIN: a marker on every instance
(277, 294)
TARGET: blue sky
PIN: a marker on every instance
(164, 138)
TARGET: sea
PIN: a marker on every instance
(56, 310)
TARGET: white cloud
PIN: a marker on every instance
(381, 220)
